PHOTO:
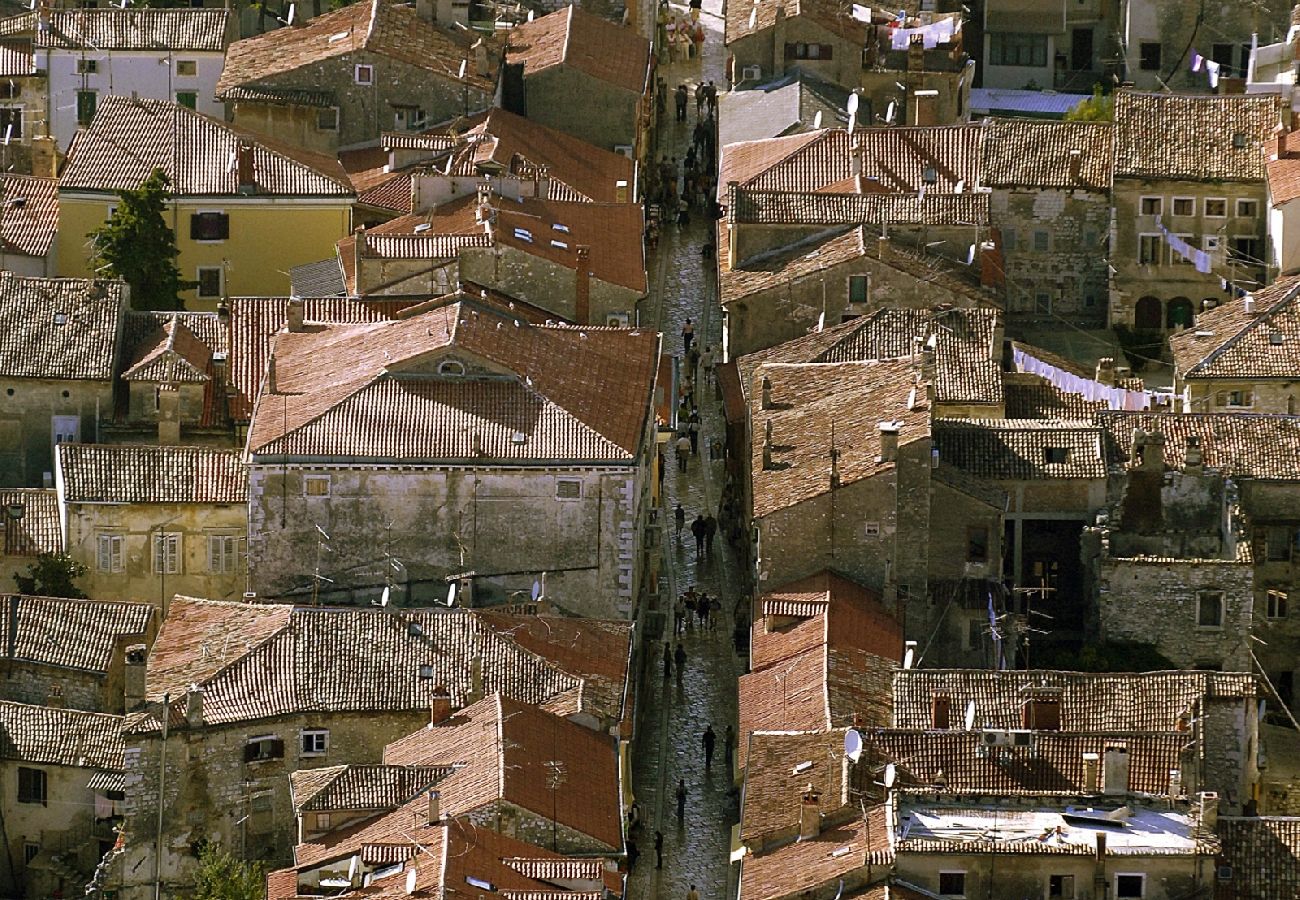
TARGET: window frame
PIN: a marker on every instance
(577, 482)
(317, 478)
(319, 118)
(1157, 258)
(87, 65)
(1150, 61)
(86, 98)
(191, 64)
(163, 556)
(958, 873)
(1067, 891)
(1157, 200)
(1241, 257)
(1142, 888)
(224, 561)
(116, 555)
(1275, 604)
(1173, 207)
(28, 778)
(316, 736)
(1176, 258)
(221, 282)
(1017, 49)
(192, 96)
(369, 70)
(12, 115)
(271, 741)
(1222, 611)
(974, 552)
(1205, 207)
(852, 282)
(1045, 244)
(201, 217)
(1246, 201)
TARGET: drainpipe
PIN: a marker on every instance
(162, 783)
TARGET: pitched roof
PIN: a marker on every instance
(378, 26)
(1229, 342)
(130, 137)
(743, 161)
(176, 355)
(1180, 136)
(1264, 854)
(803, 866)
(60, 737)
(74, 634)
(806, 399)
(378, 660)
(795, 207)
(31, 214)
(328, 382)
(1243, 445)
(826, 13)
(356, 788)
(64, 328)
(1023, 154)
(1022, 449)
(1282, 167)
(146, 473)
(789, 264)
(1090, 702)
(772, 787)
(139, 28)
(318, 279)
(788, 105)
(17, 58)
(574, 37)
(1034, 397)
(38, 530)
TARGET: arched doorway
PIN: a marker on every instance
(1147, 313)
(1179, 313)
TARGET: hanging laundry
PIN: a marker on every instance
(1197, 59)
(1212, 68)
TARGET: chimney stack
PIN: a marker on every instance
(1248, 304)
(778, 40)
(1193, 461)
(1114, 770)
(137, 658)
(992, 274)
(927, 107)
(767, 445)
(582, 288)
(246, 169)
(1209, 808)
(1106, 371)
(439, 707)
(1076, 164)
(169, 415)
(620, 191)
(810, 814)
(434, 815)
(193, 707)
(476, 679)
(480, 58)
(1090, 763)
(543, 190)
(888, 441)
(297, 314)
(767, 392)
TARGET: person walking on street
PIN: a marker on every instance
(679, 613)
(693, 432)
(668, 660)
(688, 609)
(699, 529)
(710, 529)
(709, 739)
(679, 97)
(707, 361)
(683, 446)
(729, 746)
(679, 516)
(659, 849)
(688, 335)
(681, 799)
(680, 657)
(701, 93)
(715, 611)
(692, 894)
(702, 610)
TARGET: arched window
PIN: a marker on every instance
(451, 367)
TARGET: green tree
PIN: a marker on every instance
(1097, 108)
(52, 575)
(136, 246)
(222, 877)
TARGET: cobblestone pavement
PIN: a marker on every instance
(675, 711)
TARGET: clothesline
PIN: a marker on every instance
(931, 35)
(1094, 391)
(1199, 258)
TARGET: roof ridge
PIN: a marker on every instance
(1251, 326)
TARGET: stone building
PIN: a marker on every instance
(499, 466)
(349, 682)
(29, 223)
(1259, 858)
(149, 522)
(72, 653)
(1050, 204)
(767, 39)
(31, 527)
(1282, 178)
(1190, 165)
(340, 79)
(1048, 45)
(59, 346)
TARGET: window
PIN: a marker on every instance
(1042, 242)
(1130, 887)
(108, 556)
(858, 288)
(29, 851)
(87, 66)
(1184, 206)
(1278, 541)
(364, 74)
(316, 486)
(1209, 609)
(1151, 206)
(568, 489)
(187, 99)
(871, 529)
(1056, 455)
(952, 884)
(1149, 56)
(1149, 249)
(1060, 886)
(265, 747)
(408, 118)
(223, 554)
(977, 543)
(209, 226)
(210, 278)
(940, 712)
(1216, 207)
(1013, 49)
(166, 553)
(1043, 303)
(1247, 209)
(315, 742)
(1008, 239)
(1041, 714)
(451, 367)
(1276, 608)
(328, 119)
(86, 103)
(808, 51)
(975, 629)
(11, 122)
(1246, 249)
(31, 786)
(187, 67)
(322, 821)
(1235, 398)
(1210, 244)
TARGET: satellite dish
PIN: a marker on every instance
(412, 875)
(853, 122)
(753, 18)
(537, 590)
(852, 744)
(817, 121)
(908, 657)
(530, 15)
(891, 773)
(970, 715)
(352, 867)
(384, 597)
(464, 64)
(293, 8)
(451, 594)
(852, 106)
(889, 112)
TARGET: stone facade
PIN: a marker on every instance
(1221, 32)
(608, 116)
(545, 284)
(766, 49)
(32, 410)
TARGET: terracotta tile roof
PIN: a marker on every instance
(1178, 136)
(744, 161)
(60, 737)
(323, 378)
(803, 866)
(357, 788)
(140, 473)
(1033, 397)
(74, 634)
(584, 41)
(1264, 854)
(969, 485)
(177, 356)
(836, 611)
(773, 789)
(380, 27)
(1282, 167)
(378, 661)
(255, 320)
(174, 347)
(1238, 444)
(39, 530)
(129, 138)
(951, 761)
(140, 28)
(808, 398)
(64, 328)
(31, 214)
(1022, 449)
(503, 748)
(387, 190)
(805, 349)
(1229, 342)
(1145, 702)
(825, 13)
(296, 96)
(17, 59)
(790, 264)
(937, 158)
(1024, 154)
(786, 207)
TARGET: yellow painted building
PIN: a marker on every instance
(244, 212)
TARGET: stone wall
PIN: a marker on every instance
(27, 409)
(546, 284)
(597, 112)
(64, 824)
(766, 49)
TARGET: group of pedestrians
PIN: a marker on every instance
(695, 608)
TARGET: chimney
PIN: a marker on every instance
(270, 372)
(916, 56)
(778, 41)
(439, 707)
(1149, 450)
(620, 192)
(810, 814)
(1090, 762)
(476, 679)
(996, 340)
(1193, 461)
(882, 246)
(1106, 371)
(1209, 808)
(992, 274)
(137, 658)
(1248, 304)
(1114, 770)
(582, 287)
(767, 392)
(1101, 846)
(733, 238)
(480, 58)
(1175, 784)
(297, 313)
(244, 165)
(193, 707)
(1076, 165)
(434, 816)
(169, 415)
(54, 696)
(45, 157)
(888, 441)
(855, 157)
(927, 107)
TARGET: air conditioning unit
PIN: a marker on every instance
(995, 739)
(617, 320)
(751, 73)
(625, 149)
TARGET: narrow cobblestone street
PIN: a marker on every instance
(676, 710)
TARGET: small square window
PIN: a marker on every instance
(1130, 887)
(1056, 455)
(871, 529)
(568, 489)
(315, 742)
(322, 821)
(1209, 609)
(209, 279)
(328, 119)
(952, 884)
(1247, 209)
(1149, 56)
(30, 850)
(364, 74)
(1276, 605)
(87, 66)
(31, 786)
(1043, 303)
(1184, 206)
(1216, 207)
(187, 67)
(262, 748)
(211, 225)
(1060, 887)
(11, 122)
(187, 99)
(1151, 206)
(316, 486)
